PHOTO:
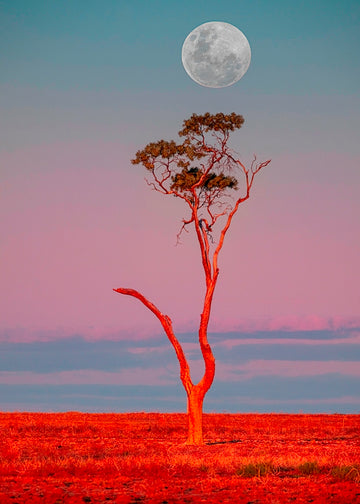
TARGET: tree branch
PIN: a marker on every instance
(249, 183)
(203, 242)
(208, 356)
(167, 325)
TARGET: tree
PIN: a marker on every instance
(205, 173)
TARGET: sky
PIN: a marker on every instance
(83, 86)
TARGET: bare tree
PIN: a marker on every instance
(206, 174)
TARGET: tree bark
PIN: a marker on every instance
(195, 416)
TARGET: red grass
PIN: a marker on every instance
(140, 457)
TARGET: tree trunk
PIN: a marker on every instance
(195, 416)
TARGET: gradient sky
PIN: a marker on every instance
(83, 85)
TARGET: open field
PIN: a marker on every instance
(141, 457)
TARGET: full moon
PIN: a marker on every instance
(216, 54)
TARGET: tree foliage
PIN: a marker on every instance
(202, 169)
(189, 177)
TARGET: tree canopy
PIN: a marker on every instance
(202, 169)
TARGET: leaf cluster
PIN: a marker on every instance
(166, 150)
(189, 150)
(198, 124)
(189, 177)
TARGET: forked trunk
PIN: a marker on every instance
(195, 416)
(205, 192)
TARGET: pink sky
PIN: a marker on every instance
(78, 220)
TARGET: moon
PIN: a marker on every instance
(216, 54)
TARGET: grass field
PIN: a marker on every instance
(141, 457)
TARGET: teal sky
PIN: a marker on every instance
(299, 47)
(101, 71)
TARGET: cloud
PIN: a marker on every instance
(153, 331)
(353, 339)
(128, 377)
(169, 375)
(311, 370)
(261, 401)
(286, 323)
(285, 368)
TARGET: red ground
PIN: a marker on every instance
(135, 458)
